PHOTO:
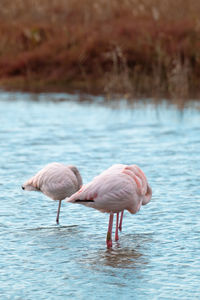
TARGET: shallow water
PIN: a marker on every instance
(157, 256)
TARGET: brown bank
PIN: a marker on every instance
(131, 47)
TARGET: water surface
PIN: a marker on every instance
(157, 256)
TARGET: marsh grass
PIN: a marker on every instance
(131, 47)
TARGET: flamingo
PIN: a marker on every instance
(56, 181)
(118, 188)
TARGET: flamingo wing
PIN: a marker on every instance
(59, 184)
(109, 193)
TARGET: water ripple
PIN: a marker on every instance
(157, 255)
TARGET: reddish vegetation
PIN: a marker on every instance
(132, 47)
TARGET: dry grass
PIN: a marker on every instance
(130, 47)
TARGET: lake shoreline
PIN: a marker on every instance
(87, 91)
(131, 48)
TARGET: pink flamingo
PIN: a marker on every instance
(118, 188)
(56, 181)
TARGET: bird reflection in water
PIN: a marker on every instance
(127, 254)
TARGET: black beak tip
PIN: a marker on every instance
(23, 188)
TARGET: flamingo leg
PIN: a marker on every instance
(58, 212)
(109, 233)
(121, 218)
(116, 230)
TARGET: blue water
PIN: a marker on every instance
(158, 254)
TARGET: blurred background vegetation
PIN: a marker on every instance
(130, 47)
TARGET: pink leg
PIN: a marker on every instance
(109, 233)
(116, 230)
(121, 218)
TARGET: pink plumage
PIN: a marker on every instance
(56, 181)
(118, 188)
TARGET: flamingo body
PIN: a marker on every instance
(57, 181)
(118, 188)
